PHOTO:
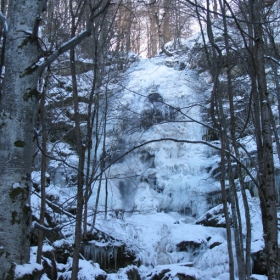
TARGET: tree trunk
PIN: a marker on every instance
(106, 198)
(43, 170)
(265, 150)
(166, 24)
(17, 110)
(243, 264)
(152, 31)
(81, 154)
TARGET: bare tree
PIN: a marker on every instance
(18, 104)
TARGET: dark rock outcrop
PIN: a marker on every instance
(215, 217)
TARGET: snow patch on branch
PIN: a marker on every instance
(273, 59)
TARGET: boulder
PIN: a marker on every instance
(215, 217)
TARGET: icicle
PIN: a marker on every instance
(92, 252)
(96, 254)
(103, 257)
(115, 255)
(109, 256)
(86, 251)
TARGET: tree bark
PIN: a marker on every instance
(17, 109)
(267, 188)
(81, 154)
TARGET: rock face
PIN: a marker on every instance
(132, 272)
(191, 247)
(25, 272)
(259, 263)
(215, 217)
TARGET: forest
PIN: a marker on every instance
(139, 139)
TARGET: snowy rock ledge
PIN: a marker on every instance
(28, 271)
(177, 271)
(215, 217)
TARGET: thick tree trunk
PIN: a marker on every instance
(267, 188)
(17, 110)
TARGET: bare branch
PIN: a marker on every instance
(49, 156)
(216, 147)
(72, 43)
(46, 229)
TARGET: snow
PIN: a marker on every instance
(87, 270)
(255, 216)
(155, 238)
(180, 269)
(258, 277)
(153, 73)
(16, 185)
(175, 169)
(45, 277)
(26, 269)
(61, 243)
(162, 197)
